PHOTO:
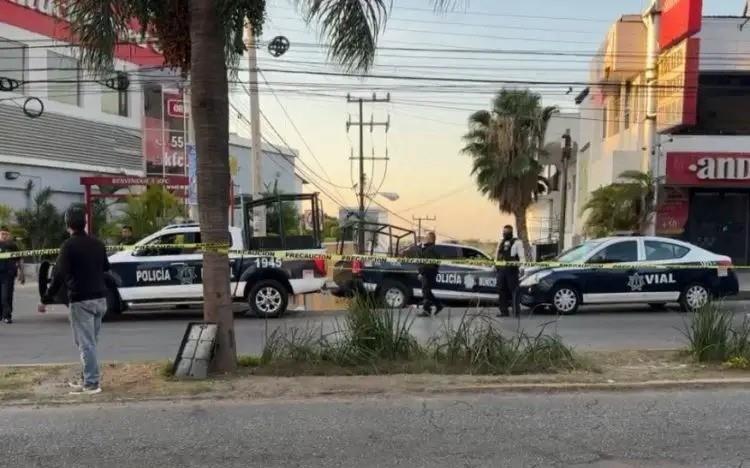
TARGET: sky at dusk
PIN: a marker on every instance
(427, 119)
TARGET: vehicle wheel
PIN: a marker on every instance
(658, 306)
(394, 294)
(268, 299)
(114, 306)
(565, 300)
(694, 297)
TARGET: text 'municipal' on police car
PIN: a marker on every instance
(621, 270)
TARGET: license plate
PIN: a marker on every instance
(723, 271)
(308, 274)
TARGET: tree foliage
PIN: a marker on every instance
(151, 210)
(43, 225)
(626, 205)
(504, 144)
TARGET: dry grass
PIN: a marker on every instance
(143, 381)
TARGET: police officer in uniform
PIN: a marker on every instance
(509, 249)
(428, 275)
(9, 269)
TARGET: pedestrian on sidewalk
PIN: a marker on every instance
(9, 270)
(428, 276)
(80, 267)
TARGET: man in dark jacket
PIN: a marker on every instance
(80, 268)
(9, 269)
(428, 275)
(509, 249)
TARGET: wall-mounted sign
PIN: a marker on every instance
(677, 86)
(176, 108)
(46, 17)
(708, 169)
(680, 19)
(672, 213)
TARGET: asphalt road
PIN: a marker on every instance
(599, 430)
(156, 335)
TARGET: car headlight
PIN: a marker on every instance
(535, 278)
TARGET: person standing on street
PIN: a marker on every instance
(9, 269)
(80, 267)
(509, 249)
(126, 235)
(427, 275)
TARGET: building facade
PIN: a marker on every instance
(700, 149)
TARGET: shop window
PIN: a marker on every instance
(13, 57)
(723, 100)
(115, 102)
(64, 76)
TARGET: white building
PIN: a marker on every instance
(703, 91)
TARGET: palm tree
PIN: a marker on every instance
(626, 205)
(204, 38)
(504, 144)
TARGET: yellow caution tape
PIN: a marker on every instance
(370, 262)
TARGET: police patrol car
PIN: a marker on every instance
(162, 269)
(651, 270)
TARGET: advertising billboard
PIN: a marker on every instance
(680, 19)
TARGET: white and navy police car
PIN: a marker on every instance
(650, 270)
(171, 275)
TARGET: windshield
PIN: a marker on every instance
(579, 253)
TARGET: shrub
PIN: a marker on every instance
(713, 337)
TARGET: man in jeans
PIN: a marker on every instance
(80, 268)
(9, 268)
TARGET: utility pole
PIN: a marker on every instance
(651, 17)
(256, 155)
(362, 124)
(419, 224)
(566, 153)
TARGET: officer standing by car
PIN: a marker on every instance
(126, 235)
(9, 269)
(509, 249)
(428, 274)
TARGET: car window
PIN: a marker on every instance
(579, 252)
(620, 252)
(448, 251)
(168, 240)
(473, 254)
(660, 250)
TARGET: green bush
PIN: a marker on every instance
(374, 339)
(713, 337)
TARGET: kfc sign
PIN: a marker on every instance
(680, 19)
(707, 169)
(47, 17)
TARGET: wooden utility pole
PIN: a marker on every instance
(566, 153)
(419, 220)
(361, 186)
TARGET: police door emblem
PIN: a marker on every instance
(186, 274)
(469, 282)
(635, 282)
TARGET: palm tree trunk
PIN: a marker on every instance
(523, 231)
(210, 107)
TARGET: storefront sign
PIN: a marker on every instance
(677, 86)
(672, 213)
(164, 134)
(46, 17)
(680, 19)
(708, 169)
(125, 181)
(176, 108)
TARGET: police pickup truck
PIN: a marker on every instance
(650, 270)
(397, 283)
(164, 269)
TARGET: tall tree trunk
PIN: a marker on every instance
(523, 231)
(210, 107)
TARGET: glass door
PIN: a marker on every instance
(719, 223)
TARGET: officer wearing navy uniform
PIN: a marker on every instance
(509, 249)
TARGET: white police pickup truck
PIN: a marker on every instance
(163, 269)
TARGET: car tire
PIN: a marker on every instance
(658, 306)
(394, 294)
(565, 299)
(114, 305)
(268, 299)
(694, 297)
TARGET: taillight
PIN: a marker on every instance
(725, 263)
(356, 267)
(320, 266)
